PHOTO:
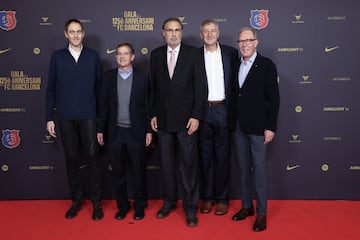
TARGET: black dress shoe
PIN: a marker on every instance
(260, 223)
(121, 214)
(243, 213)
(73, 210)
(191, 220)
(98, 212)
(139, 213)
(165, 211)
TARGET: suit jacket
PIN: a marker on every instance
(139, 114)
(256, 104)
(229, 56)
(176, 100)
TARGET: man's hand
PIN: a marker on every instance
(153, 124)
(148, 139)
(50, 127)
(269, 136)
(192, 125)
(100, 138)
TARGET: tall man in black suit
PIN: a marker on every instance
(124, 125)
(178, 97)
(214, 132)
(255, 104)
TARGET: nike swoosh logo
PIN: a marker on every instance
(108, 51)
(5, 50)
(289, 168)
(327, 49)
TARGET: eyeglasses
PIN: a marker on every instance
(169, 30)
(247, 41)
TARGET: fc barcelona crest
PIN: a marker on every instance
(10, 138)
(7, 20)
(259, 19)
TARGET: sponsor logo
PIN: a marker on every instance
(5, 168)
(290, 168)
(259, 19)
(295, 139)
(330, 49)
(298, 109)
(354, 167)
(325, 167)
(335, 109)
(297, 19)
(305, 80)
(110, 51)
(10, 138)
(45, 21)
(7, 20)
(5, 50)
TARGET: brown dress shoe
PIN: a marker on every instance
(243, 213)
(222, 209)
(206, 207)
(260, 223)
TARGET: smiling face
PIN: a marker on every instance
(75, 35)
(124, 57)
(247, 43)
(210, 34)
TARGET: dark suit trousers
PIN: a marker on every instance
(127, 153)
(171, 144)
(214, 138)
(79, 140)
(250, 152)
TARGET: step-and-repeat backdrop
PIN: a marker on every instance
(315, 45)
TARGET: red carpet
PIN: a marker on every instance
(290, 220)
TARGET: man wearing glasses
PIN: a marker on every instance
(255, 104)
(178, 97)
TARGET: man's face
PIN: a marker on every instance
(124, 57)
(172, 33)
(247, 44)
(75, 34)
(210, 34)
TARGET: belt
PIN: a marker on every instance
(215, 103)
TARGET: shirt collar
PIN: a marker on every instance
(251, 60)
(217, 49)
(120, 71)
(177, 49)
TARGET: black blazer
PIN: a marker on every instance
(229, 57)
(256, 104)
(139, 114)
(174, 101)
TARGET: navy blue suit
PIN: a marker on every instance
(255, 109)
(126, 145)
(214, 137)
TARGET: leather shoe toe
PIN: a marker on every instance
(139, 213)
(165, 211)
(98, 212)
(243, 213)
(221, 209)
(206, 207)
(121, 214)
(191, 220)
(260, 223)
(73, 210)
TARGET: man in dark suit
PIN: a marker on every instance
(214, 132)
(124, 125)
(178, 102)
(255, 104)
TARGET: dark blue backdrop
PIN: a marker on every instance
(313, 43)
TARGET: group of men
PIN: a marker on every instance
(201, 104)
